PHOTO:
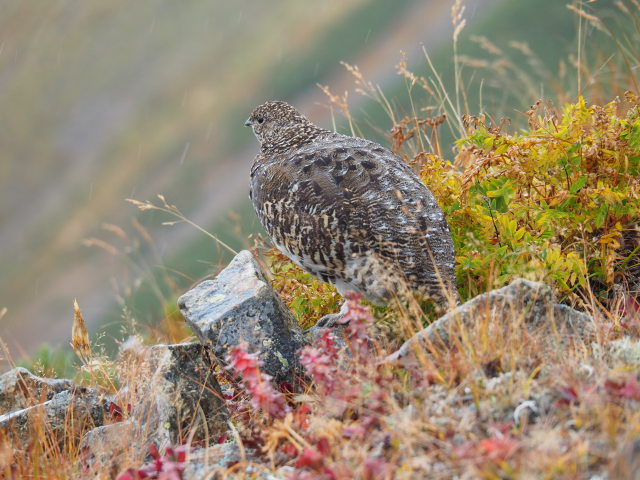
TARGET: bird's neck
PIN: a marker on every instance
(292, 137)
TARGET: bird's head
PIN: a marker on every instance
(277, 123)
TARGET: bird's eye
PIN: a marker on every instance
(260, 120)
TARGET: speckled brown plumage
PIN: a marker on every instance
(346, 209)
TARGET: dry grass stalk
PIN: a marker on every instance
(80, 336)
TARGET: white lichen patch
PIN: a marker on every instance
(625, 351)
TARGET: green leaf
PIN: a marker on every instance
(578, 184)
(501, 149)
(602, 214)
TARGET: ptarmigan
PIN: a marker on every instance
(347, 210)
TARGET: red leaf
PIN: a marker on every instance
(300, 415)
(629, 306)
(310, 458)
(629, 389)
(496, 449)
(263, 395)
(290, 450)
(242, 362)
(129, 474)
(323, 446)
(115, 412)
(222, 438)
(181, 453)
(286, 387)
(499, 448)
(153, 451)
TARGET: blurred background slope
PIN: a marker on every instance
(103, 101)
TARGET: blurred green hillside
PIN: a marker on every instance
(100, 102)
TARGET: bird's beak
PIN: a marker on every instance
(247, 123)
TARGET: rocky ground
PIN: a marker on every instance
(178, 415)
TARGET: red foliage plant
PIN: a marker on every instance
(166, 467)
(264, 396)
(320, 362)
(629, 389)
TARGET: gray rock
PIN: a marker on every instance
(625, 352)
(179, 401)
(64, 418)
(104, 451)
(338, 331)
(240, 305)
(531, 304)
(217, 463)
(184, 399)
(19, 389)
(211, 462)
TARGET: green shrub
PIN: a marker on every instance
(308, 298)
(557, 203)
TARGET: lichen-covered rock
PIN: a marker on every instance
(183, 395)
(19, 388)
(64, 418)
(106, 450)
(625, 351)
(529, 304)
(221, 462)
(240, 305)
(338, 331)
(178, 401)
(210, 462)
